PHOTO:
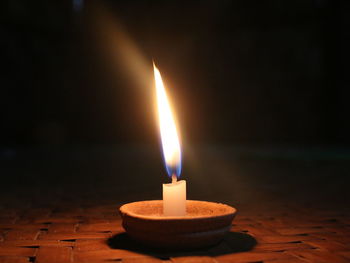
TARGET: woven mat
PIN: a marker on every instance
(93, 233)
(64, 208)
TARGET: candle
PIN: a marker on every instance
(174, 198)
(174, 222)
(174, 194)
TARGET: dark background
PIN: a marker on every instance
(238, 72)
(260, 90)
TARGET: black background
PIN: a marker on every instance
(237, 72)
(260, 91)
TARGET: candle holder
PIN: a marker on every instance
(205, 224)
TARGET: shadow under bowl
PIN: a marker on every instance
(205, 224)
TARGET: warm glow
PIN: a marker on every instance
(168, 131)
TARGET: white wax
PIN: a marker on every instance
(174, 198)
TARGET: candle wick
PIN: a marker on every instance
(174, 178)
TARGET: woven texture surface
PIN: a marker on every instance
(288, 211)
(94, 234)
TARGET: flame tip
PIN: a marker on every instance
(154, 64)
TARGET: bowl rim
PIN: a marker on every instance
(230, 211)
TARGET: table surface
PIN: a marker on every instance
(62, 205)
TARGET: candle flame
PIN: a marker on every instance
(168, 132)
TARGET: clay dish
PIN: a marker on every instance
(205, 224)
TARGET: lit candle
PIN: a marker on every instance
(174, 194)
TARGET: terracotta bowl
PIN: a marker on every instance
(205, 224)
